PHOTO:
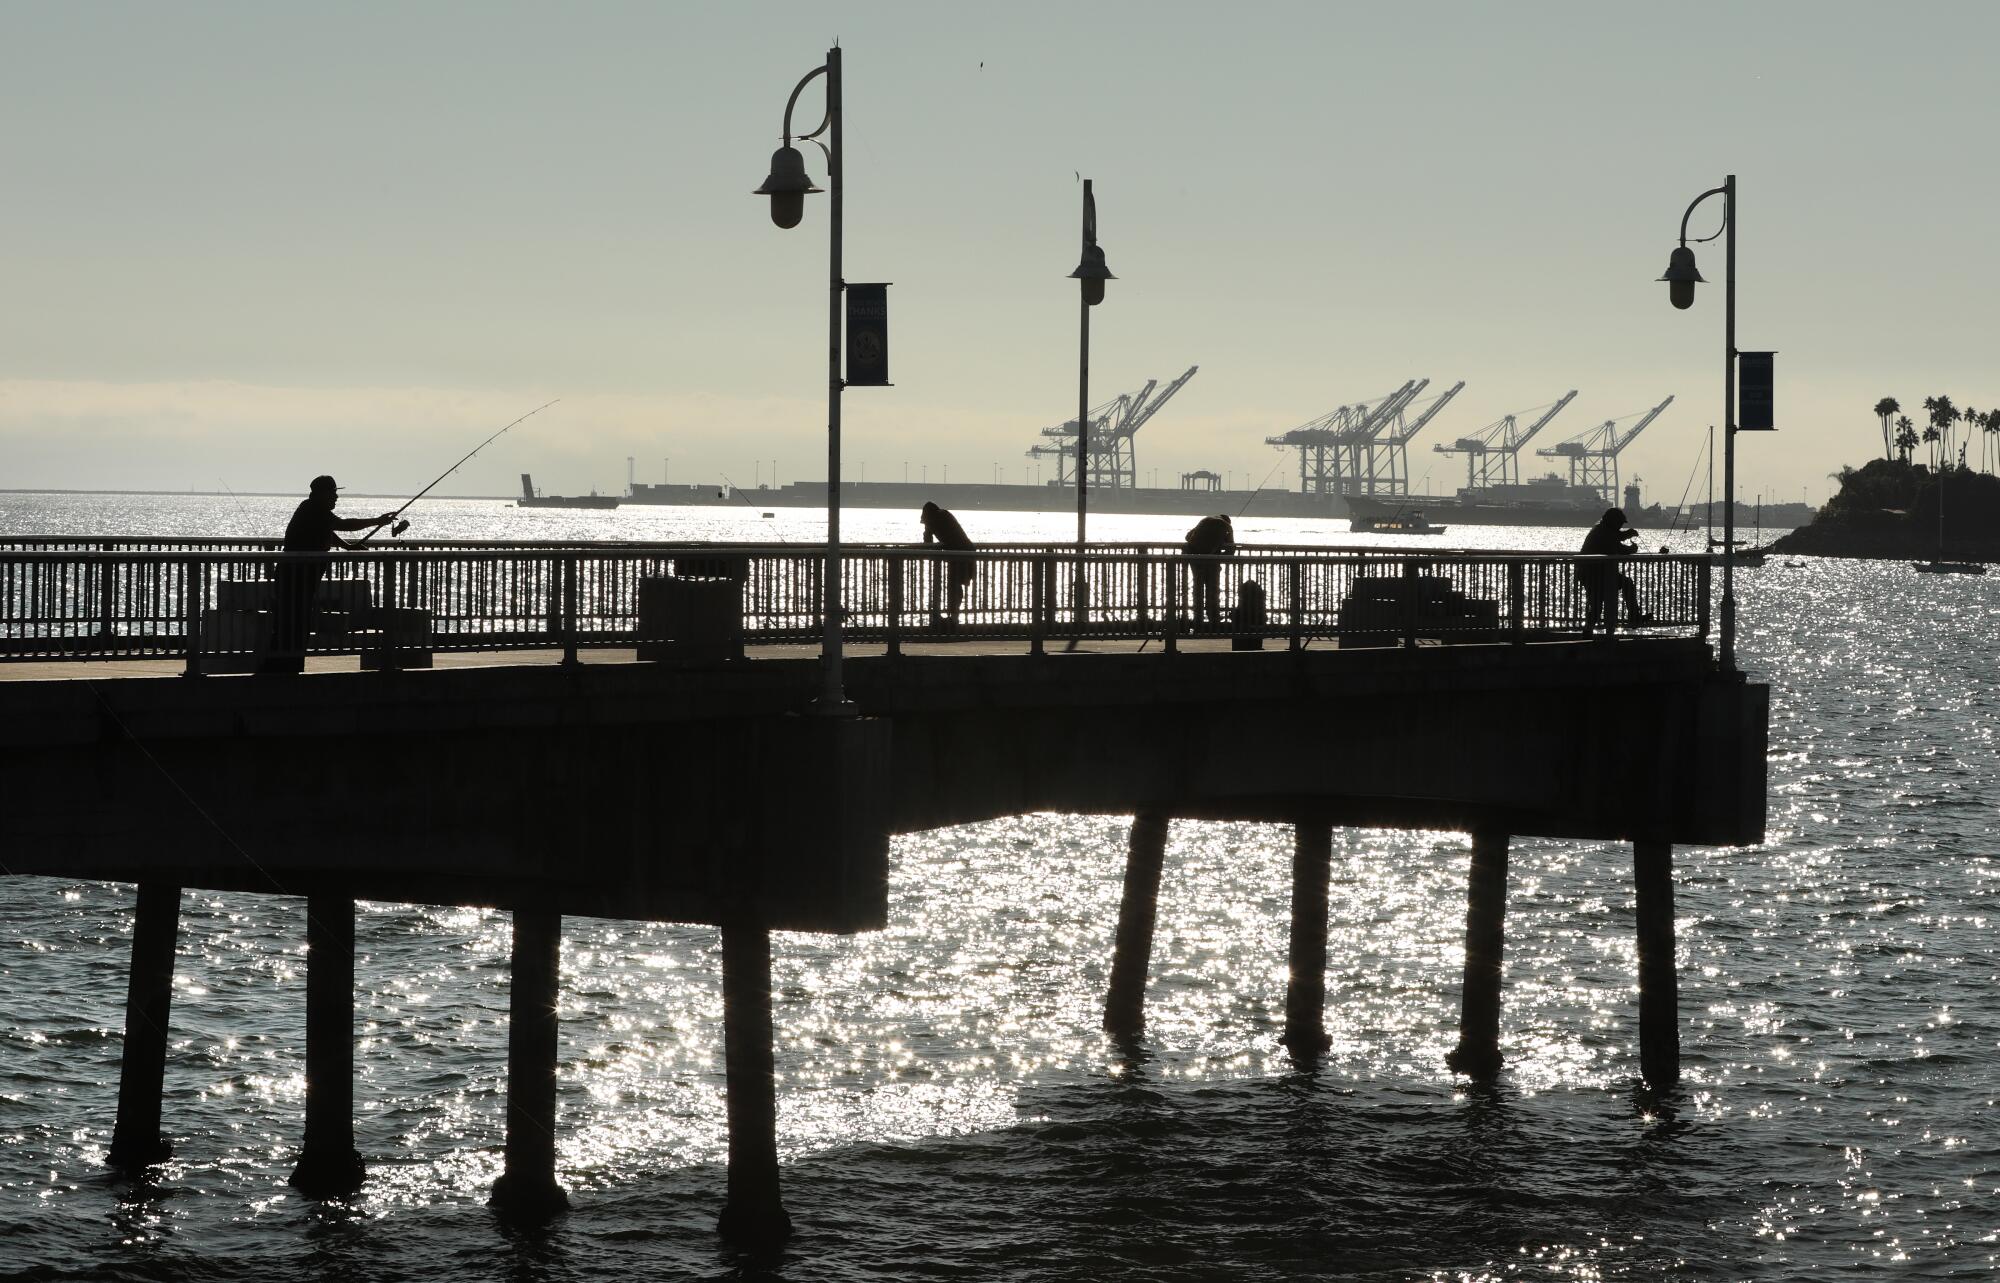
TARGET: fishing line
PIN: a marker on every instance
(188, 797)
(397, 528)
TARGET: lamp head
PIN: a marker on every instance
(1681, 278)
(1093, 273)
(787, 187)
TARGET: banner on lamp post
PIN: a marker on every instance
(1754, 392)
(868, 335)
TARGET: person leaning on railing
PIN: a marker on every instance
(941, 525)
(1610, 538)
(313, 529)
(1211, 537)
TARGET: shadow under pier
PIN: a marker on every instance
(712, 795)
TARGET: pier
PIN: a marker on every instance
(630, 731)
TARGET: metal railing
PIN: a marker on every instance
(210, 602)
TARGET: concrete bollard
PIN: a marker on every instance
(527, 1189)
(1132, 950)
(328, 1166)
(1305, 983)
(136, 1141)
(754, 1214)
(1659, 987)
(1478, 1050)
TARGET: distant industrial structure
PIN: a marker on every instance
(1593, 453)
(1492, 454)
(1359, 450)
(1112, 460)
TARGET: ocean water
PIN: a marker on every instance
(949, 1110)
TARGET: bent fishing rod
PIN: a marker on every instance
(400, 526)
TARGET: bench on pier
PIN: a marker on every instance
(1381, 610)
(694, 615)
(344, 617)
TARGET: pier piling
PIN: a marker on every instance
(1659, 987)
(136, 1141)
(527, 1189)
(328, 1165)
(1305, 984)
(755, 1212)
(1478, 1050)
(1132, 949)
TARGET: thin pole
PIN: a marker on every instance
(833, 694)
(1082, 418)
(1729, 434)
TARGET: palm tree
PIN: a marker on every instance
(1991, 427)
(1906, 436)
(1943, 413)
(1886, 409)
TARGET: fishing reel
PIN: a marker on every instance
(399, 528)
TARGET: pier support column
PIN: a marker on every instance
(527, 1189)
(136, 1141)
(1659, 987)
(1132, 949)
(755, 1212)
(1478, 1050)
(1305, 984)
(328, 1166)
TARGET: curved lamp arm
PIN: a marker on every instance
(794, 100)
(1713, 191)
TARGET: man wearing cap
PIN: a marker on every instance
(313, 529)
(1609, 539)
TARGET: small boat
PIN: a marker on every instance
(1401, 523)
(529, 499)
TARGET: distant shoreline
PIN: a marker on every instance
(239, 494)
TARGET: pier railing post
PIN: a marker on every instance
(755, 1211)
(1305, 982)
(1038, 605)
(1132, 948)
(569, 587)
(527, 1188)
(328, 1165)
(1478, 1050)
(106, 593)
(1517, 601)
(136, 1141)
(897, 568)
(1659, 996)
(1295, 587)
(1411, 603)
(196, 594)
(1170, 621)
(1702, 606)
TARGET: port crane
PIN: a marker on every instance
(1333, 448)
(1492, 454)
(1387, 451)
(1113, 461)
(1593, 453)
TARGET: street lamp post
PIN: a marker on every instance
(788, 186)
(1090, 273)
(1681, 278)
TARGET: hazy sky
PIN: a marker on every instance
(249, 243)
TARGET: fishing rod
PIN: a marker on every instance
(400, 526)
(1260, 486)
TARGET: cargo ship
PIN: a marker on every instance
(1545, 501)
(529, 499)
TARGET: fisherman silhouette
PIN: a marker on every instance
(1610, 538)
(312, 530)
(941, 526)
(1210, 537)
